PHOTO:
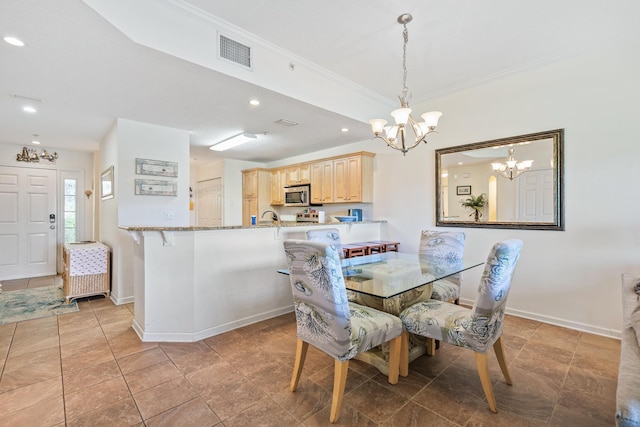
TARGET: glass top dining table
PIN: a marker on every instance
(388, 274)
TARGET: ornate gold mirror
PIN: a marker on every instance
(514, 182)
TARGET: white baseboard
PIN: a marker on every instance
(583, 327)
(208, 332)
(120, 301)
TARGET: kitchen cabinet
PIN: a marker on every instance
(322, 182)
(299, 174)
(353, 179)
(278, 182)
(256, 196)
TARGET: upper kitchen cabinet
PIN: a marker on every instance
(353, 179)
(299, 174)
(322, 182)
(278, 182)
(255, 193)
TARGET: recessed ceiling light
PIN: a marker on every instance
(344, 130)
(29, 109)
(35, 142)
(254, 102)
(14, 41)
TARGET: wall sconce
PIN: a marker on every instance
(30, 155)
(88, 193)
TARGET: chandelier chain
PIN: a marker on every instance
(405, 35)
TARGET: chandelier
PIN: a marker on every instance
(32, 156)
(512, 168)
(406, 133)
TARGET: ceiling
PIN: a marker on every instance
(88, 73)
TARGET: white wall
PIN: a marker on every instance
(571, 277)
(232, 182)
(146, 141)
(125, 142)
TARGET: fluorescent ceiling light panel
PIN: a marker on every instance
(234, 141)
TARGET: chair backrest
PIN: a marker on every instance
(488, 309)
(319, 295)
(447, 246)
(327, 235)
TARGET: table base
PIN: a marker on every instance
(379, 356)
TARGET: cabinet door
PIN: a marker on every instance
(250, 183)
(327, 182)
(340, 190)
(347, 173)
(322, 182)
(249, 207)
(304, 174)
(277, 183)
(354, 179)
(299, 174)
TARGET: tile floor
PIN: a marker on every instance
(90, 369)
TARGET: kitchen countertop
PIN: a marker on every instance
(262, 224)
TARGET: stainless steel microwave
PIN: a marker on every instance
(297, 195)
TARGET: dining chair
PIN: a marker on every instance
(327, 235)
(476, 329)
(332, 237)
(328, 321)
(449, 247)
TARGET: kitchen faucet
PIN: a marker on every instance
(274, 216)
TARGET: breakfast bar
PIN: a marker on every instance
(190, 283)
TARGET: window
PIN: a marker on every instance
(70, 209)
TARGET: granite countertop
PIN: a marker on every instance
(262, 224)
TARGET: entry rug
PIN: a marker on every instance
(27, 304)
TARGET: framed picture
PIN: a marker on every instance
(463, 190)
(106, 184)
(153, 187)
(156, 167)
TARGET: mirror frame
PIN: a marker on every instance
(558, 148)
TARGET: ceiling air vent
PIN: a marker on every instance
(235, 51)
(286, 122)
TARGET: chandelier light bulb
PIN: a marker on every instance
(377, 125)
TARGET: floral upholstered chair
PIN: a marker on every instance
(332, 237)
(476, 329)
(328, 321)
(327, 235)
(449, 247)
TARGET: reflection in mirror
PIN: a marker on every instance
(511, 182)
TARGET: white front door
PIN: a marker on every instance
(28, 222)
(210, 203)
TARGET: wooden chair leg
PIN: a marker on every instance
(431, 347)
(395, 347)
(482, 363)
(404, 354)
(339, 381)
(301, 354)
(499, 350)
